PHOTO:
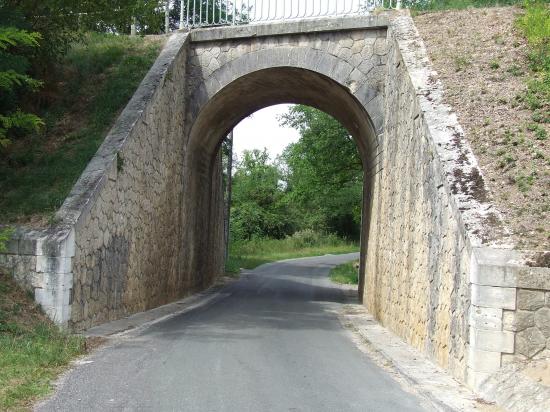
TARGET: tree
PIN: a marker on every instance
(324, 173)
(55, 20)
(218, 12)
(13, 79)
(116, 16)
(258, 206)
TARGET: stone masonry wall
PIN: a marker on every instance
(431, 275)
(531, 321)
(351, 56)
(128, 245)
(418, 260)
(21, 265)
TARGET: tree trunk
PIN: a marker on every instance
(228, 189)
(167, 17)
(181, 14)
(133, 27)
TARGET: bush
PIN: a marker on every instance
(251, 253)
(310, 238)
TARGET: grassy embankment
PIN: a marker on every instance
(439, 5)
(535, 25)
(496, 74)
(32, 350)
(252, 253)
(346, 273)
(78, 104)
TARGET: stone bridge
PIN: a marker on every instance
(143, 226)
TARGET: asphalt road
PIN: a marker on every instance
(272, 343)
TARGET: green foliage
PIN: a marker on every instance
(55, 21)
(100, 73)
(12, 120)
(11, 37)
(32, 350)
(26, 122)
(10, 79)
(346, 273)
(434, 5)
(251, 253)
(258, 206)
(116, 16)
(316, 186)
(324, 173)
(5, 236)
(535, 25)
(525, 182)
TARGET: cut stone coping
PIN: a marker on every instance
(304, 26)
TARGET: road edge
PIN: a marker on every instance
(408, 365)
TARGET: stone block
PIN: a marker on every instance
(53, 264)
(493, 275)
(485, 318)
(529, 342)
(494, 297)
(380, 46)
(542, 321)
(518, 320)
(483, 361)
(508, 358)
(346, 43)
(492, 340)
(533, 278)
(12, 247)
(530, 299)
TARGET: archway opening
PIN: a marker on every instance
(294, 179)
(215, 115)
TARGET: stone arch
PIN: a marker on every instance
(362, 78)
(220, 96)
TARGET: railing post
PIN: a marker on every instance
(398, 5)
(219, 12)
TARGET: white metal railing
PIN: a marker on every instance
(207, 13)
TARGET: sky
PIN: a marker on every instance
(262, 129)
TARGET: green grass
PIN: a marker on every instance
(345, 273)
(252, 253)
(94, 83)
(437, 5)
(535, 25)
(32, 351)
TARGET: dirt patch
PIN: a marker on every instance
(539, 371)
(539, 259)
(17, 306)
(481, 59)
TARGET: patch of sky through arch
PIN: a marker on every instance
(262, 130)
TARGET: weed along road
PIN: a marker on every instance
(271, 341)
